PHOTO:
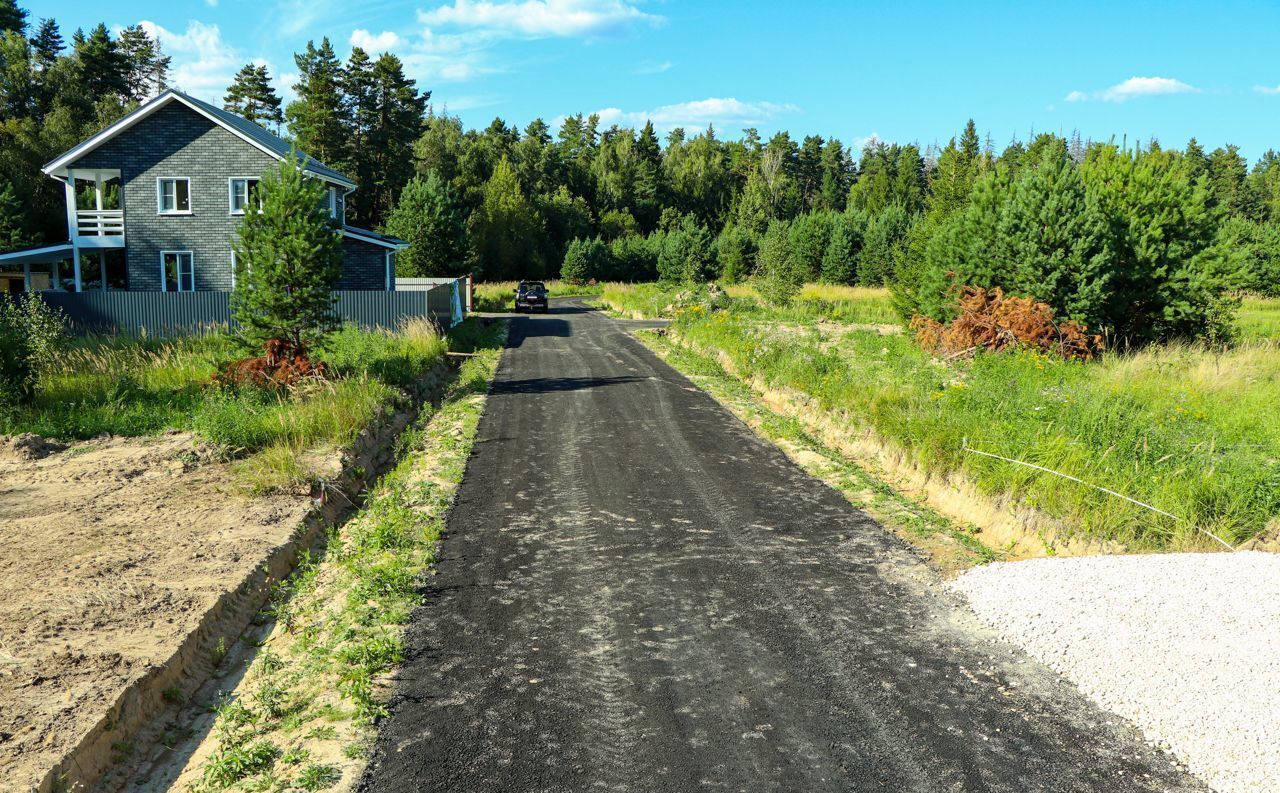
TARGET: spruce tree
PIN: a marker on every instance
(649, 187)
(47, 43)
(251, 96)
(13, 17)
(288, 262)
(779, 278)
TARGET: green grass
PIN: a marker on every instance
(951, 546)
(1259, 318)
(1191, 431)
(338, 620)
(500, 295)
(138, 387)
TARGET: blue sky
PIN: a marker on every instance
(905, 72)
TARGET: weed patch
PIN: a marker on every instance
(301, 718)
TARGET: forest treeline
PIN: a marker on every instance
(1142, 242)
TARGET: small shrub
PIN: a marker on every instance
(31, 334)
(234, 763)
(319, 777)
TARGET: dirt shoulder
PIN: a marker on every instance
(111, 554)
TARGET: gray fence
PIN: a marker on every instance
(160, 314)
(466, 285)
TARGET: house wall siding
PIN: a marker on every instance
(176, 141)
(364, 265)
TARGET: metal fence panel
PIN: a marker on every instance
(163, 314)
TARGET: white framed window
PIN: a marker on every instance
(240, 190)
(177, 271)
(173, 195)
(333, 202)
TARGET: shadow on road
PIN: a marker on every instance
(531, 327)
(546, 385)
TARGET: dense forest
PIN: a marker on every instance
(1141, 241)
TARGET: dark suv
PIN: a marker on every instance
(531, 296)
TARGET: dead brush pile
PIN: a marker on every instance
(284, 365)
(989, 320)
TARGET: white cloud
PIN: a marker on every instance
(295, 16)
(203, 64)
(653, 68)
(382, 42)
(211, 3)
(1133, 88)
(457, 37)
(540, 18)
(1268, 90)
(727, 113)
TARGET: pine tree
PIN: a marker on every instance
(504, 229)
(288, 262)
(392, 122)
(104, 69)
(147, 71)
(318, 117)
(251, 96)
(13, 17)
(1226, 175)
(428, 218)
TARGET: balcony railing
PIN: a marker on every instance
(100, 222)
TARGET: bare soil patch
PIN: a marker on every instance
(111, 553)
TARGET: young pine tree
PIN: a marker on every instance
(288, 262)
(427, 216)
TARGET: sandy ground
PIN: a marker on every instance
(111, 551)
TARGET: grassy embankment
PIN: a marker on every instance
(1194, 432)
(130, 387)
(301, 719)
(499, 295)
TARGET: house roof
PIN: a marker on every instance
(364, 235)
(242, 128)
(38, 254)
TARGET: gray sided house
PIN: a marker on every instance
(153, 202)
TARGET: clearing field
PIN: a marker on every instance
(135, 549)
(1192, 431)
(111, 554)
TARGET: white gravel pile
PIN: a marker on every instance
(1185, 646)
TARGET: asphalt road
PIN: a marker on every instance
(637, 594)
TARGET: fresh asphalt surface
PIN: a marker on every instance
(635, 593)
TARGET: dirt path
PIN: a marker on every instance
(636, 593)
(111, 552)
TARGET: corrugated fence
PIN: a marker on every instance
(185, 313)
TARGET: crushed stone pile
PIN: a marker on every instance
(1185, 646)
